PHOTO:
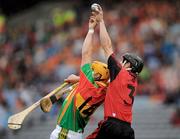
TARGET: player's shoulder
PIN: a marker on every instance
(86, 66)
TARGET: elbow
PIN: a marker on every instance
(106, 43)
(109, 43)
(86, 54)
(108, 49)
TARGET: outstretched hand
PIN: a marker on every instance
(72, 79)
(98, 13)
(92, 22)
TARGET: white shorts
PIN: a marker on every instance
(70, 135)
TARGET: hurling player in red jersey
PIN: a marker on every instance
(121, 90)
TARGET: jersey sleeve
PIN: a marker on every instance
(114, 67)
(88, 73)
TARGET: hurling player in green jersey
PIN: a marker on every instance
(84, 99)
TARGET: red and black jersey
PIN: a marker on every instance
(121, 91)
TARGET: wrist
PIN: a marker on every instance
(53, 99)
(91, 30)
(101, 21)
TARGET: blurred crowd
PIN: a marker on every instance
(35, 58)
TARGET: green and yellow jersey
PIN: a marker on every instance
(82, 101)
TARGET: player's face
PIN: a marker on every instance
(96, 76)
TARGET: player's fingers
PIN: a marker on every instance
(123, 63)
(99, 7)
(128, 69)
(92, 19)
(94, 13)
(67, 80)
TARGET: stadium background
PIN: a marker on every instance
(40, 45)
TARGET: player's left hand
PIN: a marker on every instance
(92, 22)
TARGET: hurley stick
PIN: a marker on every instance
(47, 102)
(15, 121)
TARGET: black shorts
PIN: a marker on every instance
(114, 128)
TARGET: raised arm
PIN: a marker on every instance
(104, 36)
(105, 40)
(88, 42)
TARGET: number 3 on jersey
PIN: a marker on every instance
(131, 94)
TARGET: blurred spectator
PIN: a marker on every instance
(175, 120)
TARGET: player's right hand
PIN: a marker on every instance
(98, 13)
